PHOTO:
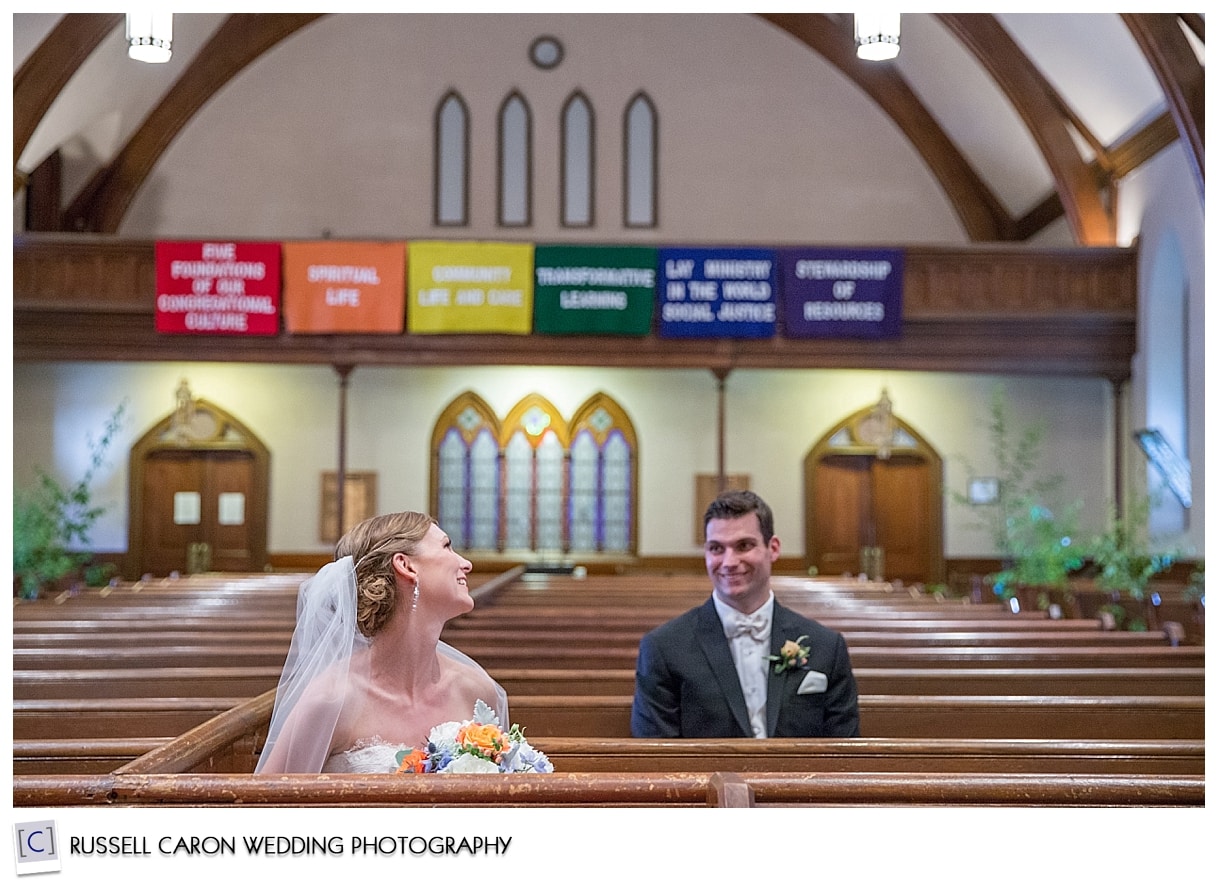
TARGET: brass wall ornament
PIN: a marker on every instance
(878, 428)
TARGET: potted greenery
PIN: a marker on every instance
(1036, 544)
(51, 520)
(1042, 553)
(1125, 564)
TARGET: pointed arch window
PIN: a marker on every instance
(534, 444)
(451, 198)
(515, 162)
(578, 162)
(534, 482)
(640, 145)
(465, 473)
(603, 478)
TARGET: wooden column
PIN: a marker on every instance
(340, 483)
(721, 439)
(1118, 444)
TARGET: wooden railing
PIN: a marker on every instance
(1065, 312)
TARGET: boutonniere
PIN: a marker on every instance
(793, 654)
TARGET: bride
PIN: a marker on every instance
(367, 674)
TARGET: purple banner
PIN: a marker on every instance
(717, 292)
(839, 292)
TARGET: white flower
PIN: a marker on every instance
(444, 736)
(469, 764)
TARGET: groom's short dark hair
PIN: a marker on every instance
(736, 504)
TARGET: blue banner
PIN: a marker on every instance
(717, 292)
(841, 292)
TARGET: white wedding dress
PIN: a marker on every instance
(365, 757)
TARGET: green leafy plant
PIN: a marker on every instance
(1041, 548)
(51, 520)
(1033, 531)
(1122, 553)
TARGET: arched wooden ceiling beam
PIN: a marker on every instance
(1121, 158)
(1040, 109)
(48, 69)
(1195, 22)
(980, 211)
(1181, 76)
(240, 40)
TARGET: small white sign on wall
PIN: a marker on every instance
(232, 509)
(186, 507)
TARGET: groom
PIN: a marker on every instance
(741, 665)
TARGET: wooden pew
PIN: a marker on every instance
(905, 633)
(901, 716)
(211, 682)
(921, 716)
(115, 717)
(194, 682)
(956, 789)
(229, 742)
(609, 789)
(905, 681)
(79, 756)
(571, 656)
(596, 713)
(992, 755)
(548, 619)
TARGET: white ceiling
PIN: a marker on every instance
(1091, 60)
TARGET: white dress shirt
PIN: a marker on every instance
(749, 639)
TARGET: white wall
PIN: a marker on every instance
(316, 137)
(1160, 204)
(772, 419)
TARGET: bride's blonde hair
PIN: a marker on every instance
(372, 545)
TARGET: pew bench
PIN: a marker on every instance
(921, 716)
(901, 716)
(80, 756)
(566, 655)
(614, 789)
(994, 756)
(115, 717)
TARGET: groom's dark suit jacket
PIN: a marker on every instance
(686, 684)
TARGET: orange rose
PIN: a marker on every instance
(413, 762)
(485, 738)
(790, 650)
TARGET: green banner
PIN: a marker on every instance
(593, 289)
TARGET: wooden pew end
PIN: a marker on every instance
(729, 790)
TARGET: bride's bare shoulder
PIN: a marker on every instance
(465, 678)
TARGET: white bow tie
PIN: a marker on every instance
(754, 626)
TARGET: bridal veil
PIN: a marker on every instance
(318, 664)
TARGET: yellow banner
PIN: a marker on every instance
(469, 288)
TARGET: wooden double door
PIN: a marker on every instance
(873, 491)
(863, 502)
(199, 496)
(201, 512)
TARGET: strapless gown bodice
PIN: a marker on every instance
(372, 756)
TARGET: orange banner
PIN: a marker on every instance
(344, 287)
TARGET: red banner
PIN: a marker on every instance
(217, 288)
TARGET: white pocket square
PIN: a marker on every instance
(813, 681)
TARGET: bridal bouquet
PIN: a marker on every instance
(477, 746)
